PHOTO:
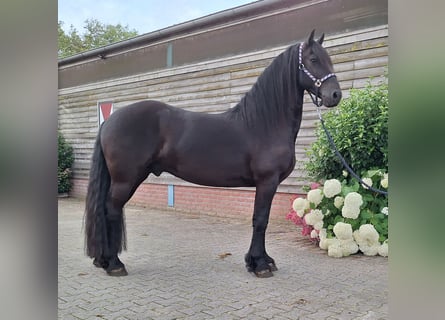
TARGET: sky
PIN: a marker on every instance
(143, 15)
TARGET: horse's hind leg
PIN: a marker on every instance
(118, 196)
(120, 193)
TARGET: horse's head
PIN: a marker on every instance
(316, 73)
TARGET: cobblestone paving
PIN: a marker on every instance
(187, 266)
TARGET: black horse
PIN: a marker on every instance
(249, 145)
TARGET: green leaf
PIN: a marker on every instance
(372, 173)
(365, 214)
(339, 219)
(355, 223)
(346, 189)
(355, 186)
(380, 216)
(378, 228)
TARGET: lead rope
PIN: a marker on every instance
(318, 83)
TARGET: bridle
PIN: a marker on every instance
(318, 83)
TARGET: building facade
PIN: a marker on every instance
(207, 65)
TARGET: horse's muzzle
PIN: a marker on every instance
(332, 98)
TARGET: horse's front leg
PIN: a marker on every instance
(257, 260)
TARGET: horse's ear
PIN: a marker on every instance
(320, 41)
(311, 37)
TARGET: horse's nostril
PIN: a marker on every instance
(336, 94)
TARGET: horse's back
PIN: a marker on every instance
(136, 112)
(134, 119)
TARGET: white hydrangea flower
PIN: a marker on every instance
(353, 199)
(367, 239)
(368, 181)
(351, 207)
(369, 233)
(371, 250)
(338, 201)
(343, 231)
(309, 218)
(335, 250)
(350, 212)
(300, 213)
(323, 233)
(383, 249)
(318, 225)
(349, 247)
(325, 243)
(314, 234)
(345, 173)
(315, 196)
(385, 210)
(384, 181)
(313, 217)
(340, 248)
(357, 236)
(331, 188)
(299, 205)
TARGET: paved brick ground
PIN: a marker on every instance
(179, 269)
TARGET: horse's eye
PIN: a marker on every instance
(313, 60)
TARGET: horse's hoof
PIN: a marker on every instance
(264, 273)
(273, 267)
(99, 263)
(119, 272)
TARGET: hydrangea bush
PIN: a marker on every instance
(344, 217)
(341, 215)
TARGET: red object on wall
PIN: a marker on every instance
(105, 109)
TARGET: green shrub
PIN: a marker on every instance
(359, 128)
(341, 215)
(65, 161)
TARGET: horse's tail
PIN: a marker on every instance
(96, 239)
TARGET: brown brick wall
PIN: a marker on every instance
(212, 201)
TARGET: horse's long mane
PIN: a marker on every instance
(274, 95)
